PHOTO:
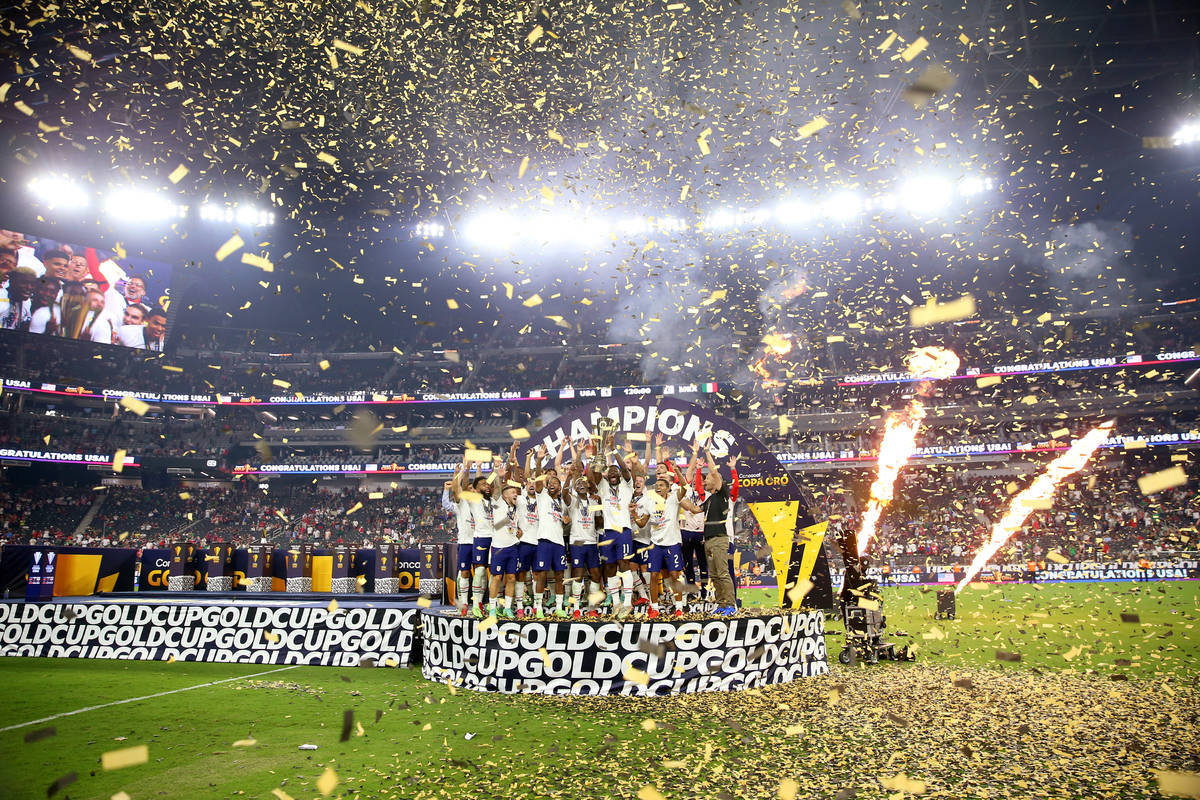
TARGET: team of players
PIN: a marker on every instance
(598, 534)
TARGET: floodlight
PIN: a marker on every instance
(971, 185)
(495, 227)
(141, 204)
(796, 212)
(1188, 133)
(926, 195)
(843, 206)
(56, 191)
(429, 230)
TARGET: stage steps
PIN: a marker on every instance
(97, 504)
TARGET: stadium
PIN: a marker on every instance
(680, 400)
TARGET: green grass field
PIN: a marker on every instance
(1093, 707)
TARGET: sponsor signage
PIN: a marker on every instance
(235, 634)
(631, 658)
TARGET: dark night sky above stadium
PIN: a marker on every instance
(364, 119)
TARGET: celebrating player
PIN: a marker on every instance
(659, 510)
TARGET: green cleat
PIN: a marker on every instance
(539, 614)
(505, 613)
(560, 613)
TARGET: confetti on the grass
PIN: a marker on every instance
(650, 793)
(1174, 783)
(327, 782)
(126, 757)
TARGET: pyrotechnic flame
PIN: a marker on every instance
(900, 436)
(778, 344)
(1037, 494)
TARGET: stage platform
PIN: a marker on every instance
(631, 657)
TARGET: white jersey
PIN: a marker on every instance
(583, 521)
(616, 503)
(481, 512)
(527, 518)
(692, 521)
(664, 517)
(466, 522)
(641, 533)
(549, 517)
(504, 524)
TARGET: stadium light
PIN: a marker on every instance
(142, 204)
(56, 191)
(497, 228)
(429, 230)
(1188, 133)
(796, 212)
(926, 195)
(214, 212)
(247, 215)
(724, 218)
(971, 185)
(843, 206)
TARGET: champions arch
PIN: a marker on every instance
(770, 491)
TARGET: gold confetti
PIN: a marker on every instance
(327, 782)
(347, 47)
(178, 174)
(1159, 481)
(934, 312)
(118, 461)
(128, 757)
(915, 49)
(1174, 783)
(809, 128)
(650, 793)
(245, 742)
(788, 789)
(258, 261)
(135, 405)
(230, 247)
(902, 783)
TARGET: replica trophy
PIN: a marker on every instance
(181, 579)
(220, 568)
(386, 580)
(341, 580)
(298, 568)
(258, 568)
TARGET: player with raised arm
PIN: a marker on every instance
(660, 511)
(695, 564)
(615, 487)
(454, 502)
(551, 557)
(483, 499)
(582, 506)
(527, 533)
(505, 558)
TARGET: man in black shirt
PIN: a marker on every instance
(716, 537)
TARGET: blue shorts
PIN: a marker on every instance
(666, 558)
(585, 556)
(551, 557)
(527, 554)
(641, 552)
(616, 546)
(479, 557)
(505, 560)
(466, 554)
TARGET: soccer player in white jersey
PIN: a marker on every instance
(453, 500)
(483, 501)
(505, 559)
(551, 558)
(615, 487)
(660, 511)
(641, 544)
(582, 504)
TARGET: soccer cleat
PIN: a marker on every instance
(727, 611)
(677, 613)
(641, 601)
(593, 613)
(505, 613)
(520, 613)
(463, 611)
(652, 613)
(539, 614)
(560, 613)
(577, 614)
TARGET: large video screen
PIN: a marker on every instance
(83, 292)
